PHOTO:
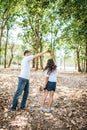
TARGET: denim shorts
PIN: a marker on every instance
(51, 86)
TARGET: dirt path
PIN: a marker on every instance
(70, 102)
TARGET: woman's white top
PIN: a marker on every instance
(52, 77)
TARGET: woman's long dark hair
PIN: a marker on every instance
(50, 66)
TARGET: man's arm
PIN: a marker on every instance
(45, 83)
(40, 54)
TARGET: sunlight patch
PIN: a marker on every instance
(20, 121)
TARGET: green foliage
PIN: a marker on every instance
(48, 24)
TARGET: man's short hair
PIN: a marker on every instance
(26, 51)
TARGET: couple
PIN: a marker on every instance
(23, 81)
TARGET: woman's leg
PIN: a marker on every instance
(44, 98)
(51, 94)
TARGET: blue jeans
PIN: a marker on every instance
(23, 85)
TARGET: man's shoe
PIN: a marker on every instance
(22, 108)
(13, 109)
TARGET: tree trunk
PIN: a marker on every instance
(1, 33)
(11, 56)
(78, 60)
(41, 57)
(36, 34)
(51, 38)
(84, 65)
(5, 54)
(37, 43)
(36, 64)
(33, 63)
(86, 56)
(41, 62)
(75, 62)
(36, 60)
(4, 21)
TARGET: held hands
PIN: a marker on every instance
(49, 51)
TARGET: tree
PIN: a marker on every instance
(5, 53)
(74, 15)
(8, 10)
(11, 58)
(32, 24)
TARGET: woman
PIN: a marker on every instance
(50, 83)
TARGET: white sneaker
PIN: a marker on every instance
(50, 109)
(43, 109)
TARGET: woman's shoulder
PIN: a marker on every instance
(46, 71)
(55, 63)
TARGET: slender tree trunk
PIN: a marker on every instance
(41, 49)
(36, 34)
(5, 54)
(86, 57)
(75, 62)
(4, 20)
(41, 62)
(36, 60)
(12, 47)
(78, 59)
(51, 38)
(33, 63)
(37, 43)
(1, 33)
(84, 65)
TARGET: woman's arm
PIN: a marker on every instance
(53, 57)
(46, 80)
(44, 86)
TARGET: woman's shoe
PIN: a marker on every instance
(43, 109)
(50, 109)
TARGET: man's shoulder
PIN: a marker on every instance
(27, 58)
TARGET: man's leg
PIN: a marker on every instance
(20, 88)
(25, 95)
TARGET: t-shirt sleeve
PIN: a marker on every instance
(46, 74)
(55, 63)
(31, 57)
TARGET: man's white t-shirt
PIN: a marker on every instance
(25, 67)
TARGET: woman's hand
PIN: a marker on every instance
(41, 88)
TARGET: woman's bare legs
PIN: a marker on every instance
(51, 94)
(44, 98)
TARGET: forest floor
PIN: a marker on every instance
(70, 102)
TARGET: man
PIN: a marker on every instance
(23, 79)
